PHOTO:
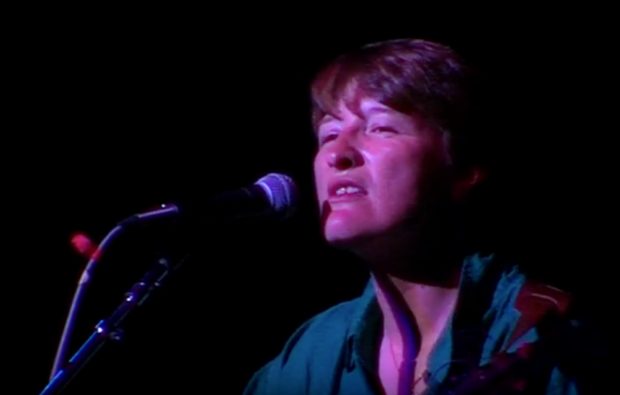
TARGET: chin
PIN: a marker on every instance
(339, 237)
(351, 231)
(349, 238)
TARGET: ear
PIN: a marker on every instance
(466, 181)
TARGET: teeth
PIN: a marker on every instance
(346, 190)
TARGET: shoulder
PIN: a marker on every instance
(318, 345)
(550, 323)
(523, 306)
(323, 332)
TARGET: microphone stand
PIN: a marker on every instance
(166, 210)
(110, 329)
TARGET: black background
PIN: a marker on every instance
(115, 114)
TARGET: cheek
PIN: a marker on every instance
(400, 177)
(318, 159)
(318, 175)
(398, 169)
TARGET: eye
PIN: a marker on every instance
(384, 129)
(327, 136)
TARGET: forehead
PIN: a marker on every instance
(360, 106)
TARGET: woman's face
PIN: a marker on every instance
(375, 171)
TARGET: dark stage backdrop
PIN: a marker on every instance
(115, 118)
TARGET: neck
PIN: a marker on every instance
(404, 302)
(414, 315)
(430, 304)
(421, 285)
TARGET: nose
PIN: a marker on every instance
(343, 154)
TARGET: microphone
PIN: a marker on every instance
(273, 196)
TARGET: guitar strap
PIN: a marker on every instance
(541, 306)
(537, 301)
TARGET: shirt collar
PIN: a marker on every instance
(365, 327)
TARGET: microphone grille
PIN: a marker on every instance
(281, 192)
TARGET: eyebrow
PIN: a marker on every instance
(378, 109)
(372, 109)
(326, 118)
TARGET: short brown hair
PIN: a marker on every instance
(413, 76)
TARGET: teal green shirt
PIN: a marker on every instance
(336, 352)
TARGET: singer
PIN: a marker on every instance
(399, 165)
